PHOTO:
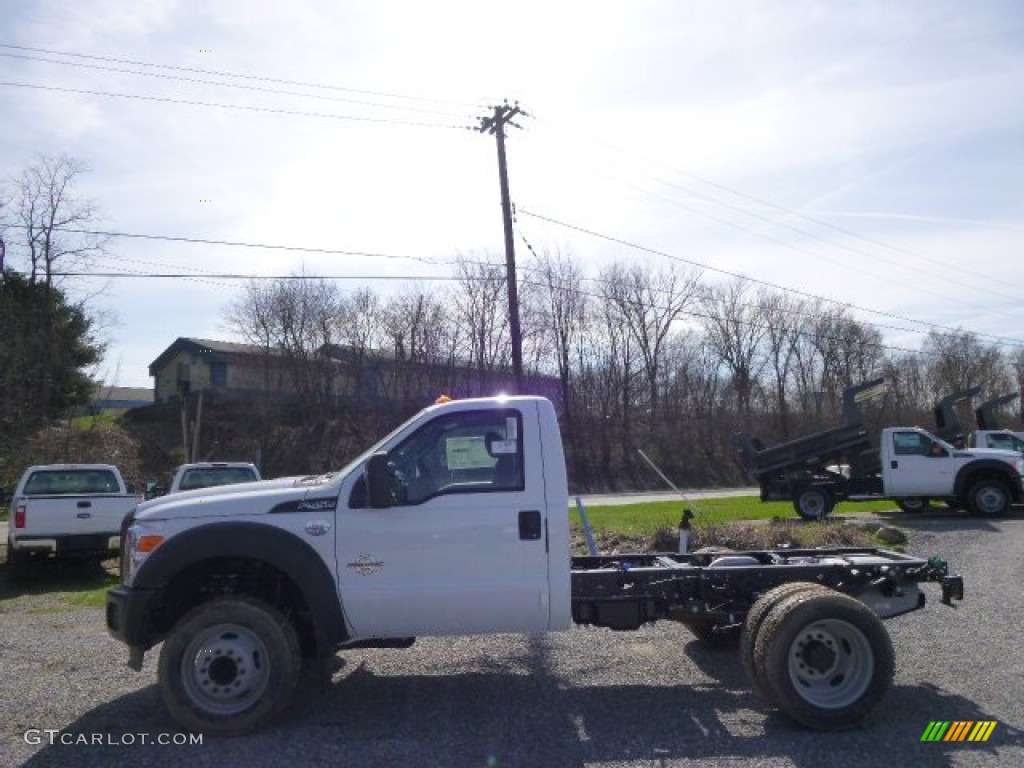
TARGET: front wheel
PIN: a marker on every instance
(988, 497)
(813, 503)
(229, 666)
(912, 504)
(825, 659)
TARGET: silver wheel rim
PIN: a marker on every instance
(990, 499)
(225, 669)
(830, 664)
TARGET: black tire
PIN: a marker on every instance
(17, 561)
(912, 504)
(989, 497)
(813, 503)
(758, 612)
(229, 666)
(716, 638)
(826, 659)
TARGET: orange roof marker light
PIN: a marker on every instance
(442, 399)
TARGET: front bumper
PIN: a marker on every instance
(128, 611)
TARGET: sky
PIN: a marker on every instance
(868, 153)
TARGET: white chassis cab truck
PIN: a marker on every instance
(456, 524)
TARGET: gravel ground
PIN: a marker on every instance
(587, 697)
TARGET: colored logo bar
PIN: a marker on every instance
(958, 730)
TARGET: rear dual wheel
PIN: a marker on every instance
(752, 626)
(812, 502)
(823, 658)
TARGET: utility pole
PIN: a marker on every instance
(496, 124)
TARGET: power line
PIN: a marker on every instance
(306, 84)
(270, 110)
(233, 85)
(242, 244)
(700, 265)
(239, 276)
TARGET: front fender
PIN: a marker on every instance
(968, 473)
(253, 541)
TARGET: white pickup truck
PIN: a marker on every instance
(67, 511)
(1001, 439)
(457, 523)
(207, 474)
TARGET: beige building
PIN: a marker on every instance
(231, 371)
(224, 368)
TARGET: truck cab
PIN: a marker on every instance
(1002, 439)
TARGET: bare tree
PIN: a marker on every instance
(735, 328)
(481, 307)
(649, 303)
(958, 360)
(561, 308)
(55, 223)
(782, 332)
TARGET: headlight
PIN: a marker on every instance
(138, 546)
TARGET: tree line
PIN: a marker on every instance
(638, 356)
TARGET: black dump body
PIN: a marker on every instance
(717, 589)
(987, 413)
(812, 460)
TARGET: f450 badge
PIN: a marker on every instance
(317, 527)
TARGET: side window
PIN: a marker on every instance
(910, 444)
(463, 452)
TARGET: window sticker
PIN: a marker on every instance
(503, 446)
(511, 428)
(467, 453)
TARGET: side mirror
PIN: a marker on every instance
(378, 480)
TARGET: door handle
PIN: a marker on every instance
(529, 524)
(894, 464)
(84, 504)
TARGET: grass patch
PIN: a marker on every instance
(644, 519)
(107, 419)
(78, 585)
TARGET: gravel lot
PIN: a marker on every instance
(587, 697)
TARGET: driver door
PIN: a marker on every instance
(462, 548)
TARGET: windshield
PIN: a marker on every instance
(362, 458)
(1007, 441)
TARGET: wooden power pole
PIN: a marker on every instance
(495, 124)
